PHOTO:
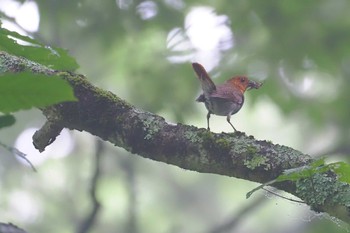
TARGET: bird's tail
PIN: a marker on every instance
(207, 84)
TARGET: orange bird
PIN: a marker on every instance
(225, 99)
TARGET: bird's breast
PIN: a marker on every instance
(222, 107)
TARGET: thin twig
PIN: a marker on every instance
(19, 154)
(286, 198)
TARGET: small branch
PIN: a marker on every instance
(280, 196)
(46, 135)
(19, 154)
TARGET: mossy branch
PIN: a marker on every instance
(105, 115)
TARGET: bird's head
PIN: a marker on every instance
(243, 83)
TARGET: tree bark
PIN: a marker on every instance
(105, 115)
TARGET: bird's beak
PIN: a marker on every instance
(252, 84)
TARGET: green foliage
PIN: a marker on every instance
(295, 174)
(16, 44)
(25, 90)
(315, 169)
(6, 120)
(341, 169)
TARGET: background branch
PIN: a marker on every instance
(90, 219)
(232, 222)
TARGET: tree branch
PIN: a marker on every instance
(105, 115)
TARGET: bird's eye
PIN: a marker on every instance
(242, 79)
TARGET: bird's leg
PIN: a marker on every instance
(208, 116)
(228, 120)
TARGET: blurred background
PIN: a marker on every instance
(142, 51)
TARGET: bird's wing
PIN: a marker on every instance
(228, 94)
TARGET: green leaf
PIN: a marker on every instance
(6, 120)
(55, 58)
(342, 169)
(26, 90)
(304, 171)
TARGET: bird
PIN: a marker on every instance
(225, 99)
